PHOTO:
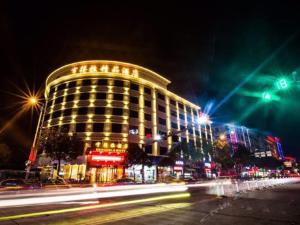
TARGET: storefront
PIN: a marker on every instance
(105, 165)
(135, 173)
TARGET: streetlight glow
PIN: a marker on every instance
(33, 100)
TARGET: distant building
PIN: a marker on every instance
(259, 143)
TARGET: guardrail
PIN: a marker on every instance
(232, 187)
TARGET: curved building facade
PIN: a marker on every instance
(113, 105)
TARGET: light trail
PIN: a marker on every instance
(96, 195)
(61, 211)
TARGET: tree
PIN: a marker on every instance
(5, 155)
(59, 145)
(136, 156)
(222, 156)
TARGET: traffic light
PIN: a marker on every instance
(282, 83)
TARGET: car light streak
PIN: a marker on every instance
(61, 211)
(96, 195)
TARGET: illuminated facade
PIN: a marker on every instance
(112, 105)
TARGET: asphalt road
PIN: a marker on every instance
(270, 206)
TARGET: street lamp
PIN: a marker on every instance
(33, 101)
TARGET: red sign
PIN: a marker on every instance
(96, 159)
(32, 155)
(178, 168)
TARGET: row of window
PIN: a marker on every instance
(88, 82)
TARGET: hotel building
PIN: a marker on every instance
(112, 105)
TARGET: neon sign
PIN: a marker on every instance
(105, 69)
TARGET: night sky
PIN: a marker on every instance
(205, 50)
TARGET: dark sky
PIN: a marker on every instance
(206, 50)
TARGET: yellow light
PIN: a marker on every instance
(112, 145)
(105, 145)
(33, 100)
(119, 145)
(97, 144)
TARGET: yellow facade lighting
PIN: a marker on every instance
(112, 145)
(93, 69)
(105, 145)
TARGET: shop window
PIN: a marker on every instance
(163, 151)
(161, 108)
(102, 82)
(72, 84)
(86, 82)
(162, 121)
(148, 117)
(134, 86)
(119, 83)
(80, 127)
(70, 98)
(84, 96)
(118, 97)
(82, 111)
(133, 114)
(99, 110)
(98, 127)
(117, 111)
(116, 128)
(56, 114)
(67, 112)
(147, 91)
(134, 100)
(148, 103)
(101, 95)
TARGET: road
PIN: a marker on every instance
(270, 206)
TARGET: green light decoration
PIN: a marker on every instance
(266, 96)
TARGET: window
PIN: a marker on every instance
(84, 96)
(101, 95)
(72, 84)
(61, 87)
(173, 113)
(195, 112)
(86, 82)
(117, 111)
(134, 87)
(175, 138)
(102, 82)
(80, 127)
(181, 116)
(147, 91)
(98, 127)
(116, 128)
(148, 131)
(119, 83)
(65, 128)
(172, 102)
(161, 108)
(148, 117)
(47, 117)
(180, 105)
(163, 150)
(52, 90)
(188, 109)
(174, 125)
(56, 114)
(59, 100)
(148, 103)
(190, 130)
(197, 132)
(70, 98)
(182, 128)
(50, 95)
(67, 112)
(160, 96)
(133, 114)
(162, 121)
(99, 110)
(82, 111)
(148, 149)
(134, 100)
(118, 97)
(49, 103)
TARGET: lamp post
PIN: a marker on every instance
(34, 101)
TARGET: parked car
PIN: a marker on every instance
(125, 181)
(17, 183)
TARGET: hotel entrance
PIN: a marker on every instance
(105, 174)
